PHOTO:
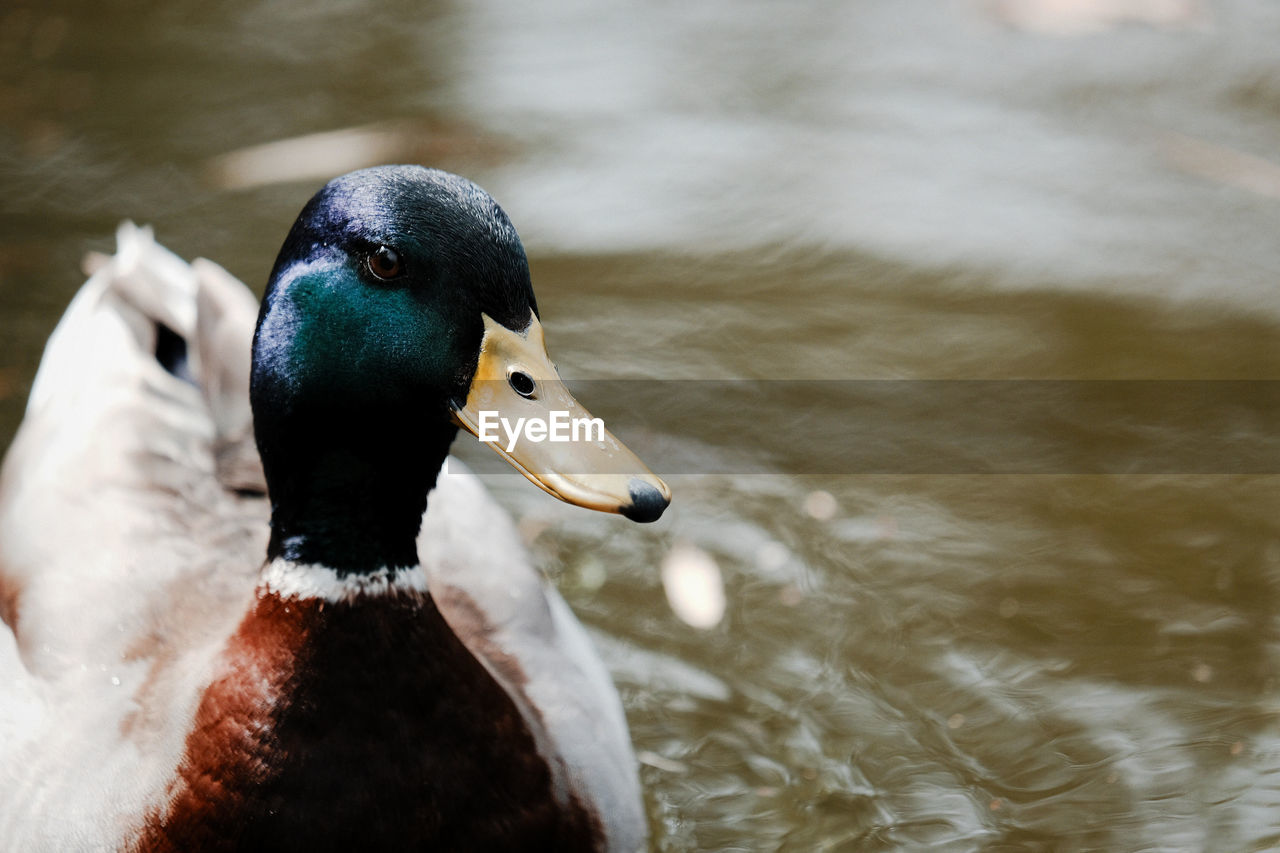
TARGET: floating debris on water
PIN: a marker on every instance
(320, 156)
(694, 586)
(821, 505)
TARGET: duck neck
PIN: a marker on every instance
(349, 491)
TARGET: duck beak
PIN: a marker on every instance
(518, 405)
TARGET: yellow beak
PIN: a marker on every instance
(518, 405)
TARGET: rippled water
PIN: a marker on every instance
(1009, 190)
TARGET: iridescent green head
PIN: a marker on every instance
(378, 291)
(391, 295)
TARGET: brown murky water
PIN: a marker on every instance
(1073, 659)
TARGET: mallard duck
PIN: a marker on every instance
(340, 647)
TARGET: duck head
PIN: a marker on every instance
(400, 308)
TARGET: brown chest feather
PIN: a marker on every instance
(360, 725)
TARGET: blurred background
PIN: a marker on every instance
(860, 190)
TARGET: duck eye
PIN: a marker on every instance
(521, 382)
(385, 263)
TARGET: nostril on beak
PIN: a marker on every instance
(647, 503)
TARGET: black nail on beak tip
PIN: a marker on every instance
(647, 503)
